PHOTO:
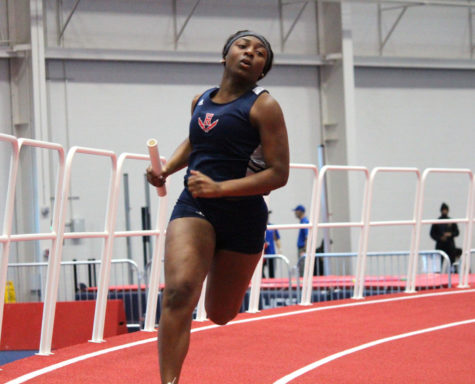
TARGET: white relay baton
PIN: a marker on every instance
(156, 163)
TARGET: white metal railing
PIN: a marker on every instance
(388, 272)
(257, 276)
(14, 161)
(468, 220)
(52, 279)
(57, 233)
(70, 289)
(284, 261)
(311, 245)
(8, 217)
(367, 223)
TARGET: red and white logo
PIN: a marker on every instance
(207, 125)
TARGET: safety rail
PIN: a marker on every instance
(56, 253)
(70, 291)
(8, 217)
(469, 263)
(361, 268)
(57, 234)
(257, 276)
(311, 245)
(393, 279)
(468, 219)
(132, 321)
(158, 249)
(14, 161)
(272, 299)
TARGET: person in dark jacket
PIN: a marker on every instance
(444, 235)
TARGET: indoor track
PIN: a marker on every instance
(409, 338)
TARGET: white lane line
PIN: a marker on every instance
(77, 359)
(319, 363)
(42, 371)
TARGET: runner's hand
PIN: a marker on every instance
(201, 185)
(154, 179)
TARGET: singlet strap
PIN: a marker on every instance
(258, 90)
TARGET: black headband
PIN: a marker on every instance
(256, 35)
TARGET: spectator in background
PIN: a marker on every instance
(444, 234)
(272, 239)
(299, 211)
(318, 267)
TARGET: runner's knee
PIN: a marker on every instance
(180, 296)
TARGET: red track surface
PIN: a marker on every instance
(265, 347)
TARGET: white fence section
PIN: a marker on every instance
(359, 286)
(468, 220)
(7, 237)
(257, 277)
(73, 290)
(58, 234)
(52, 279)
(311, 245)
(8, 218)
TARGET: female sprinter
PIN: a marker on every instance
(236, 151)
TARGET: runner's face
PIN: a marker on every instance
(247, 57)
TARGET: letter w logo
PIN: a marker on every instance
(207, 125)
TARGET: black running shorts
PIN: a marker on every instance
(239, 223)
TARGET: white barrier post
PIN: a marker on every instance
(414, 254)
(464, 269)
(255, 292)
(364, 225)
(257, 276)
(315, 206)
(200, 308)
(413, 259)
(106, 257)
(310, 261)
(367, 224)
(7, 237)
(358, 291)
(39, 236)
(8, 218)
(54, 262)
(156, 267)
(256, 279)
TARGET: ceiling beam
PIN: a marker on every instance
(441, 3)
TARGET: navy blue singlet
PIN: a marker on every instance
(224, 142)
(226, 146)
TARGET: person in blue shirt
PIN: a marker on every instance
(299, 211)
(272, 239)
(236, 151)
